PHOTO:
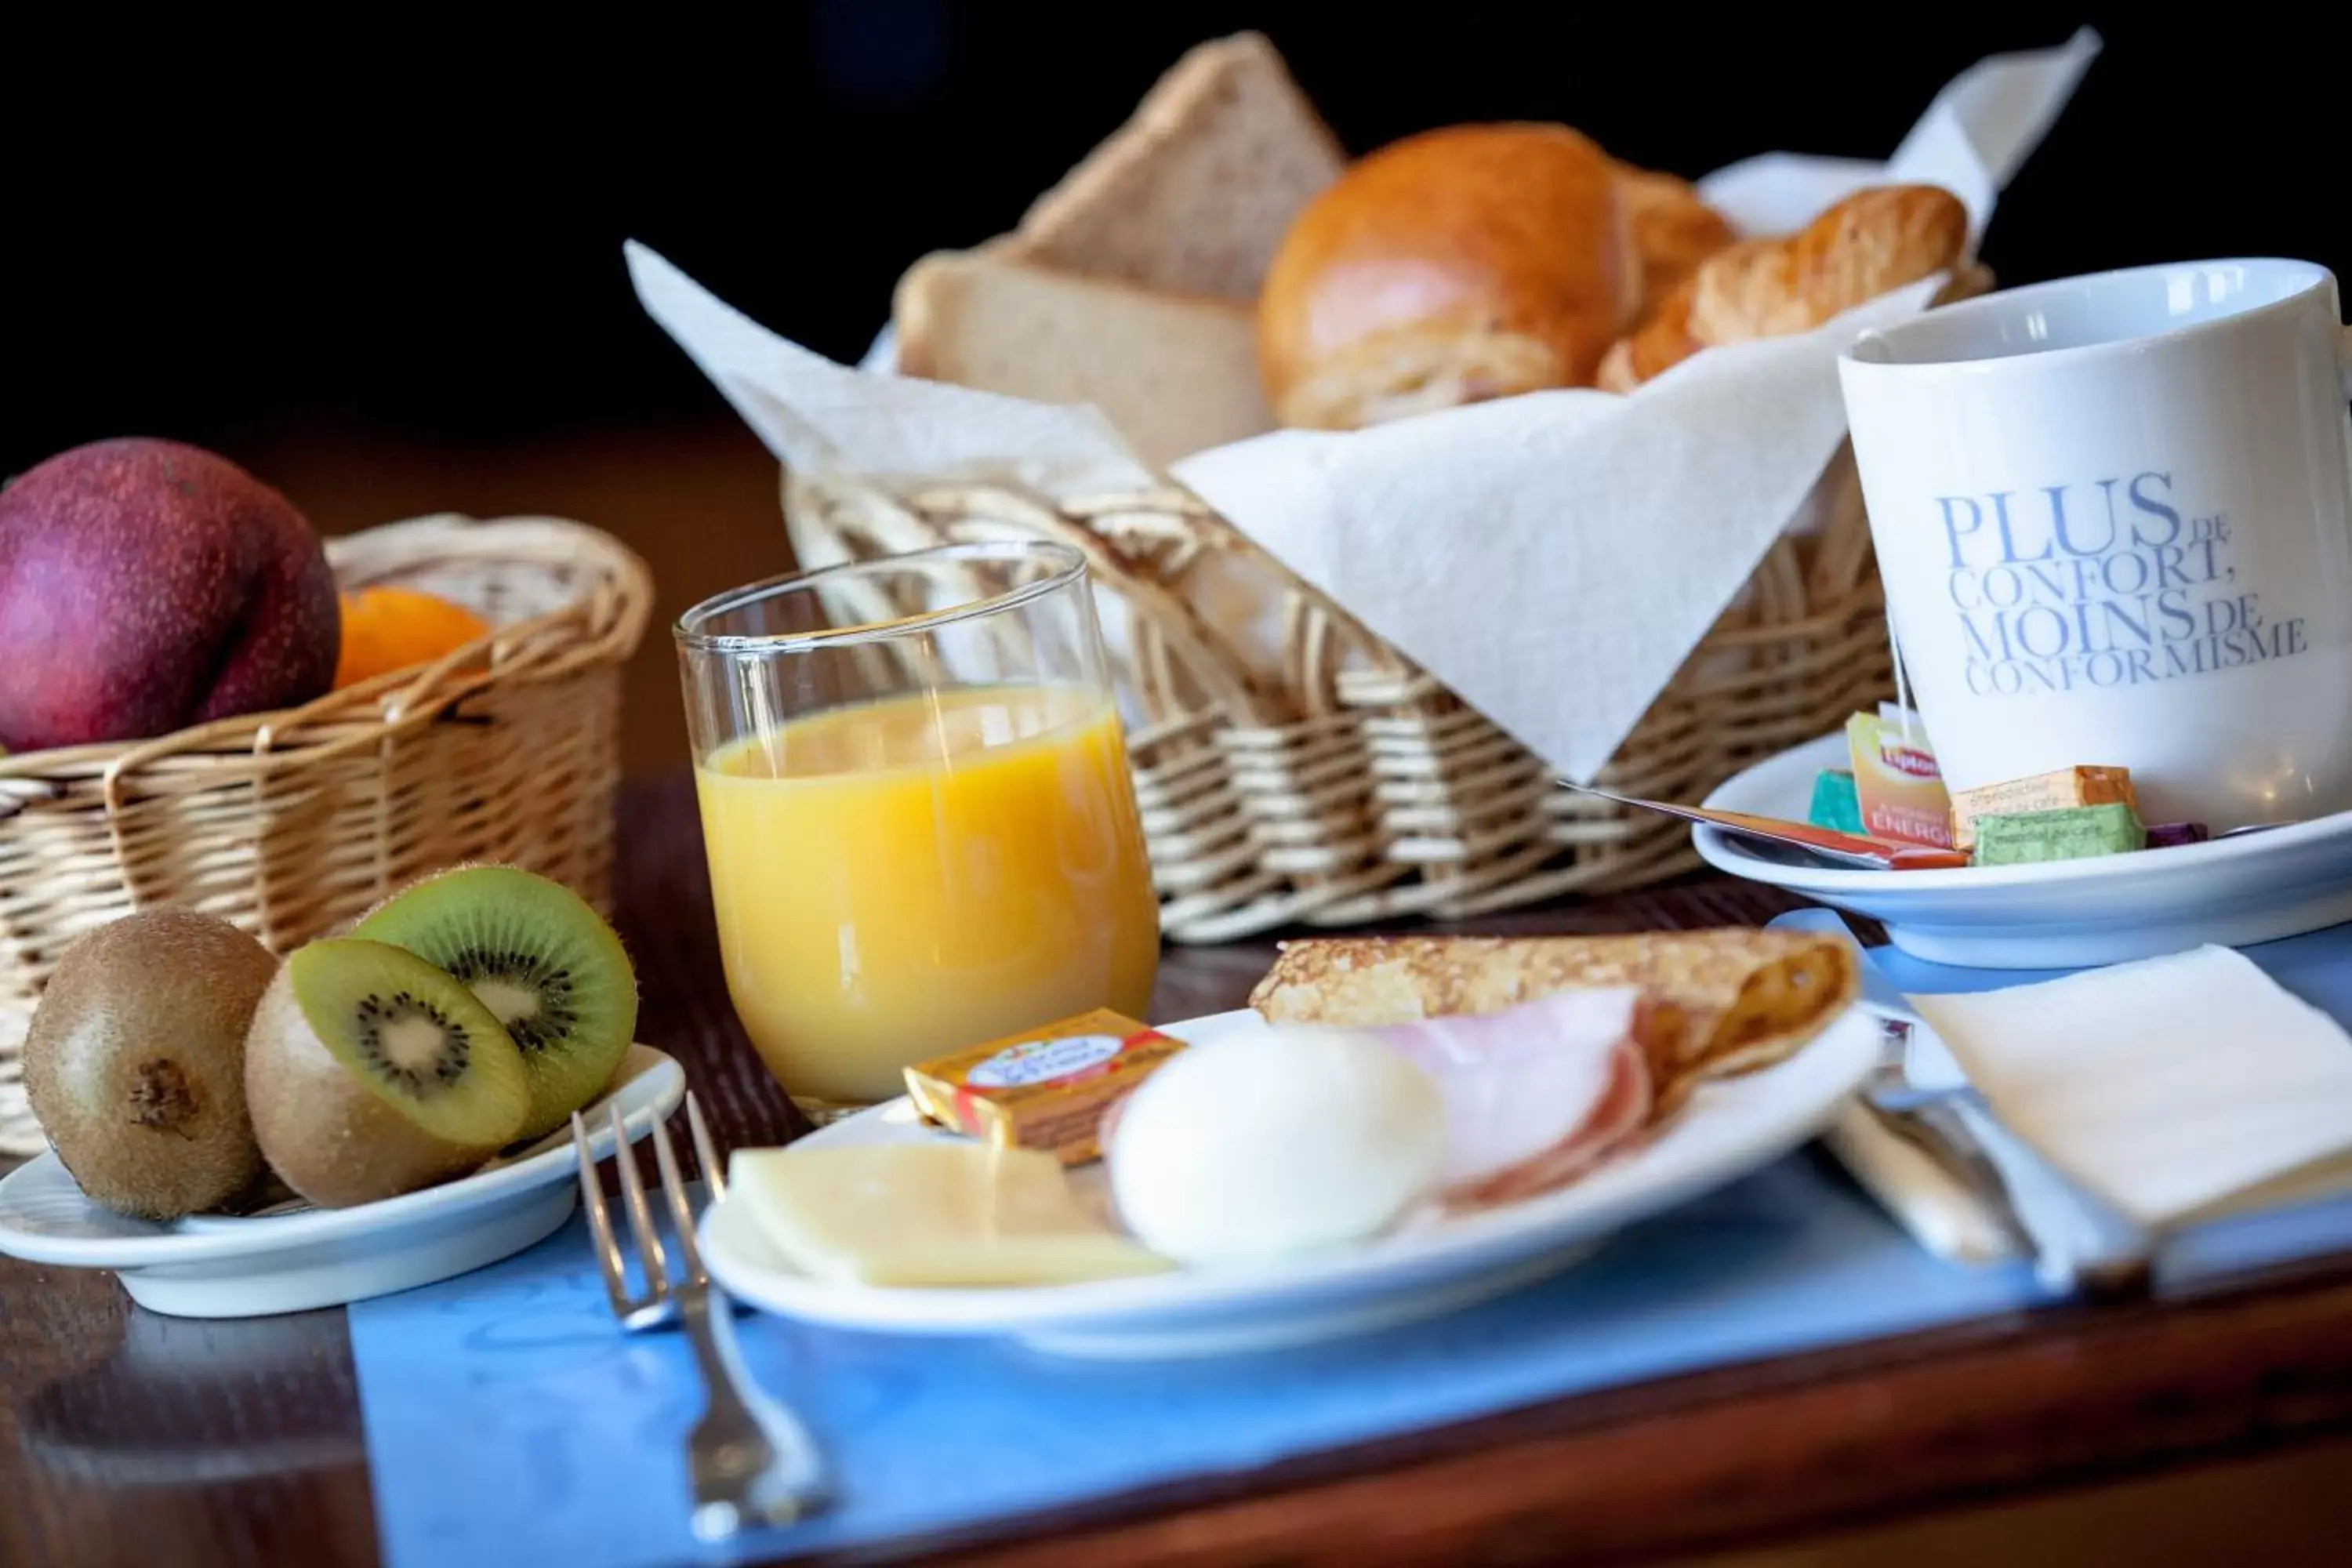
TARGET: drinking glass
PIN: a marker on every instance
(916, 803)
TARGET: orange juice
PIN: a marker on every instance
(899, 878)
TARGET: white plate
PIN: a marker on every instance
(297, 1258)
(1728, 1128)
(2067, 914)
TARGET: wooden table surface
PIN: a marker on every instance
(130, 1438)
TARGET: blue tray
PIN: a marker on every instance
(507, 1419)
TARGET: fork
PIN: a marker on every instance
(750, 1459)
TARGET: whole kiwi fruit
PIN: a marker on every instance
(135, 1062)
(539, 958)
(371, 1073)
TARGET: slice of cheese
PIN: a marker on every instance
(936, 1214)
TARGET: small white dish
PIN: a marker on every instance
(2067, 914)
(1728, 1128)
(295, 1257)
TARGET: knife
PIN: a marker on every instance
(2080, 1242)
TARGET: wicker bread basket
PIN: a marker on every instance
(1355, 787)
(1293, 768)
(293, 824)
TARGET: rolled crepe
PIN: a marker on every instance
(1722, 1002)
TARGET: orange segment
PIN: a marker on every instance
(389, 629)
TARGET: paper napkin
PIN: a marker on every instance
(1973, 137)
(816, 415)
(1554, 557)
(2178, 1088)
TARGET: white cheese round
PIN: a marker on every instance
(1260, 1145)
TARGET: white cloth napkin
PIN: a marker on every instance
(2179, 1088)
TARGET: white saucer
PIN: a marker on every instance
(2069, 913)
(296, 1257)
(1727, 1130)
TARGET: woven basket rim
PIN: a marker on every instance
(605, 621)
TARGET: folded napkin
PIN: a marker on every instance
(2303, 1214)
(2179, 1088)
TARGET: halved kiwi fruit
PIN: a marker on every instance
(369, 1073)
(135, 1062)
(539, 958)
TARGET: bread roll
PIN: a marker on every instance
(1472, 262)
(1663, 339)
(1873, 241)
(1674, 229)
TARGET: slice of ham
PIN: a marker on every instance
(1537, 1095)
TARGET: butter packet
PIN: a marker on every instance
(1897, 781)
(1045, 1089)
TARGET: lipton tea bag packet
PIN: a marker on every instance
(1045, 1089)
(1895, 778)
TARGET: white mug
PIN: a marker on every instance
(2114, 517)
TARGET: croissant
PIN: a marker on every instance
(1873, 241)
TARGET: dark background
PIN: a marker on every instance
(383, 266)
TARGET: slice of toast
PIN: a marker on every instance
(1194, 193)
(1172, 373)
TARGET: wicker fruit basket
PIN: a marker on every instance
(293, 823)
(1350, 786)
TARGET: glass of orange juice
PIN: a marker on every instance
(916, 805)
